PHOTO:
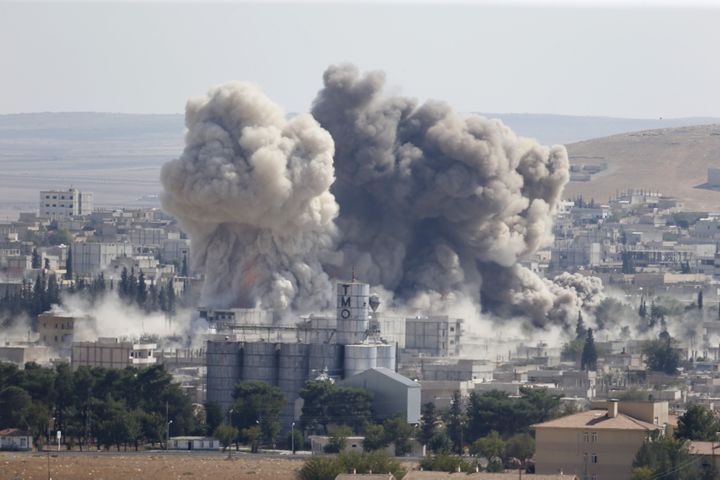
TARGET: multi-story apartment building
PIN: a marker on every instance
(65, 203)
(437, 335)
(598, 444)
(90, 258)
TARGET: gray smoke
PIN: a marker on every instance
(252, 191)
(436, 205)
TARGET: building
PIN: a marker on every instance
(58, 204)
(15, 439)
(392, 393)
(56, 331)
(251, 344)
(437, 335)
(20, 354)
(112, 353)
(90, 258)
(193, 443)
(598, 444)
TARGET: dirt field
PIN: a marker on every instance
(154, 467)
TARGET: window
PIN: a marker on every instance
(593, 458)
(586, 437)
(594, 437)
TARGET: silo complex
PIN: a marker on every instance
(350, 348)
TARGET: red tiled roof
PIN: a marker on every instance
(597, 420)
(14, 432)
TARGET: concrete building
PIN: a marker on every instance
(56, 331)
(437, 335)
(112, 353)
(392, 393)
(598, 444)
(252, 344)
(15, 439)
(90, 258)
(65, 203)
(20, 354)
(193, 443)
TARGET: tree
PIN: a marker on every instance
(226, 435)
(375, 438)
(588, 359)
(399, 432)
(456, 422)
(258, 403)
(141, 293)
(325, 403)
(667, 457)
(580, 330)
(184, 269)
(14, 406)
(700, 300)
(213, 415)
(490, 447)
(320, 468)
(35, 262)
(661, 355)
(428, 422)
(337, 439)
(327, 468)
(445, 463)
(698, 423)
(69, 264)
(520, 446)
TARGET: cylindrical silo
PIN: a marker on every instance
(353, 312)
(224, 367)
(359, 358)
(260, 362)
(386, 356)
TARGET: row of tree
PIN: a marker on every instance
(104, 407)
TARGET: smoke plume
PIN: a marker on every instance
(436, 205)
(252, 191)
(432, 207)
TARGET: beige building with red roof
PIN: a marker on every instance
(599, 444)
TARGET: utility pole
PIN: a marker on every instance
(292, 437)
(167, 426)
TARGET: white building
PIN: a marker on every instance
(90, 258)
(65, 203)
(193, 443)
(112, 353)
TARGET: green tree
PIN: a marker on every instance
(35, 261)
(580, 330)
(446, 463)
(258, 403)
(252, 436)
(661, 355)
(375, 438)
(226, 435)
(320, 468)
(456, 422)
(698, 423)
(668, 458)
(69, 264)
(399, 432)
(213, 415)
(643, 473)
(588, 359)
(325, 403)
(428, 423)
(367, 462)
(489, 447)
(337, 440)
(520, 446)
(14, 407)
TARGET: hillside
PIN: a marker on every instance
(673, 161)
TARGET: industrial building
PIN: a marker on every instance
(113, 353)
(392, 393)
(61, 204)
(89, 258)
(252, 344)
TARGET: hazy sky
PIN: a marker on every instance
(149, 58)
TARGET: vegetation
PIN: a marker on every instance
(662, 355)
(257, 405)
(104, 407)
(588, 359)
(698, 423)
(326, 403)
(667, 458)
(327, 468)
(446, 463)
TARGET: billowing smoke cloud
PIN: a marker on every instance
(252, 191)
(436, 205)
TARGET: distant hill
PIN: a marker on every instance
(563, 129)
(673, 161)
(118, 156)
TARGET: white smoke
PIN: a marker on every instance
(252, 191)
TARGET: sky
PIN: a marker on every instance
(634, 60)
